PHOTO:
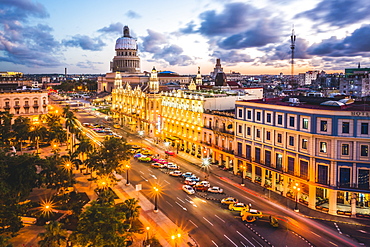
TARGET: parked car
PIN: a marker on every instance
(172, 166)
(188, 189)
(157, 165)
(189, 181)
(215, 189)
(239, 206)
(175, 173)
(194, 178)
(229, 200)
(146, 152)
(187, 174)
(199, 187)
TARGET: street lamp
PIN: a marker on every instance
(156, 191)
(205, 166)
(296, 189)
(147, 242)
(176, 238)
(127, 168)
(243, 171)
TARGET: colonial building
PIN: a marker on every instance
(317, 145)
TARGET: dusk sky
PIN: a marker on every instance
(250, 37)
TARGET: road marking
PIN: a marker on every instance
(184, 208)
(230, 240)
(153, 176)
(141, 172)
(166, 181)
(191, 202)
(208, 221)
(332, 243)
(219, 218)
(180, 200)
(316, 234)
(243, 243)
(257, 242)
(194, 224)
(144, 178)
(245, 238)
(169, 203)
(214, 243)
(336, 225)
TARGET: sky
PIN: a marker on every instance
(250, 37)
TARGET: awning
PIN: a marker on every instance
(172, 138)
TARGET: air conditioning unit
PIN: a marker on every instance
(294, 100)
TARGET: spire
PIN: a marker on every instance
(359, 65)
(198, 79)
(153, 81)
(292, 46)
(126, 32)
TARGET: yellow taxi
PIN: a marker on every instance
(239, 206)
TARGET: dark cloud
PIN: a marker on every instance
(20, 10)
(132, 15)
(283, 51)
(338, 12)
(114, 28)
(353, 45)
(85, 42)
(158, 46)
(231, 58)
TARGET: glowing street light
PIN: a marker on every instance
(296, 189)
(243, 168)
(206, 166)
(176, 237)
(156, 191)
(127, 168)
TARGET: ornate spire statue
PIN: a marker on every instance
(153, 81)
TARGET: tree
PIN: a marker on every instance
(70, 123)
(131, 209)
(101, 225)
(37, 133)
(20, 130)
(4, 241)
(5, 128)
(54, 236)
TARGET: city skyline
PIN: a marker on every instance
(249, 37)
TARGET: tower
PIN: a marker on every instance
(217, 69)
(292, 46)
(126, 59)
(198, 79)
(153, 81)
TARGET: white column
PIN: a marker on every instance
(333, 202)
(312, 196)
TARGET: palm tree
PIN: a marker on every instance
(70, 121)
(54, 236)
(131, 208)
(20, 130)
(5, 128)
(36, 134)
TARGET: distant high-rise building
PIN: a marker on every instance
(126, 59)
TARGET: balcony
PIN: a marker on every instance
(26, 106)
(17, 106)
(223, 130)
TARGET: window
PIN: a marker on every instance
(291, 165)
(279, 138)
(291, 121)
(248, 131)
(322, 173)
(240, 129)
(364, 128)
(291, 140)
(345, 149)
(279, 162)
(344, 177)
(267, 158)
(258, 133)
(305, 123)
(240, 149)
(268, 117)
(249, 114)
(323, 147)
(303, 169)
(268, 135)
(324, 125)
(257, 155)
(363, 179)
(248, 151)
(364, 150)
(280, 119)
(304, 143)
(258, 116)
(345, 127)
(240, 113)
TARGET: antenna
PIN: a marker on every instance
(292, 46)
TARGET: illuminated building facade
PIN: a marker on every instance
(321, 146)
(24, 102)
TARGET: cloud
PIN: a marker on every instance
(158, 45)
(338, 12)
(114, 28)
(132, 15)
(88, 64)
(84, 42)
(20, 10)
(231, 58)
(353, 45)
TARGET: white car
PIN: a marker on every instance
(189, 181)
(172, 166)
(175, 173)
(188, 189)
(194, 178)
(215, 189)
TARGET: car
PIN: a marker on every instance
(189, 181)
(172, 166)
(239, 206)
(175, 173)
(187, 174)
(204, 183)
(194, 178)
(229, 200)
(215, 189)
(132, 151)
(116, 126)
(170, 153)
(157, 165)
(145, 159)
(198, 187)
(251, 212)
(188, 189)
(146, 152)
(161, 161)
(138, 155)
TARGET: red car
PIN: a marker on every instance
(170, 153)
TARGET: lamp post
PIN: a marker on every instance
(156, 194)
(243, 171)
(176, 238)
(147, 242)
(205, 165)
(296, 189)
(127, 168)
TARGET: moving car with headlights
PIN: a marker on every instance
(188, 189)
(216, 190)
(229, 200)
(251, 213)
(175, 173)
(239, 206)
